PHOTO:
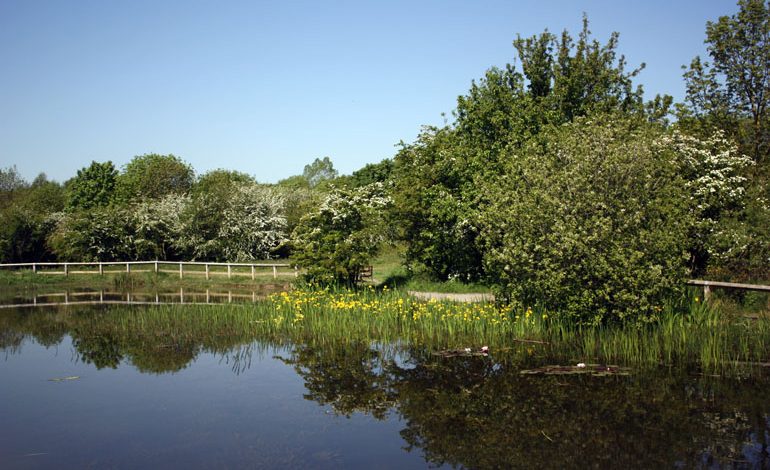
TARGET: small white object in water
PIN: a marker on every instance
(581, 364)
(485, 349)
(62, 379)
(467, 350)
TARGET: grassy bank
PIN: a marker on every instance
(389, 270)
(27, 281)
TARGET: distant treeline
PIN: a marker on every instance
(556, 182)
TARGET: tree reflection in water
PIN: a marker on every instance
(468, 411)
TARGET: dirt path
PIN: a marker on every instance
(475, 297)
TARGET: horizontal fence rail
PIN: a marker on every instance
(708, 285)
(113, 267)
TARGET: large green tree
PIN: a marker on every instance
(319, 171)
(92, 187)
(439, 178)
(27, 217)
(154, 176)
(733, 90)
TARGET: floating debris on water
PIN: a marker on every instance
(596, 370)
(484, 351)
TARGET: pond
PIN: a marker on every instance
(89, 386)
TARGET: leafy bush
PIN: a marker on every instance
(99, 234)
(590, 221)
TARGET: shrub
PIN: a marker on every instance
(589, 221)
(337, 240)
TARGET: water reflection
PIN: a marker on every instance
(105, 297)
(465, 411)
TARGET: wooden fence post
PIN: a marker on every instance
(101, 269)
(66, 270)
(180, 271)
(252, 273)
(128, 268)
(207, 273)
(229, 272)
(34, 268)
(156, 266)
(706, 293)
(275, 272)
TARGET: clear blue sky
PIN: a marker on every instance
(266, 87)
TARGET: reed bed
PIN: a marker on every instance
(686, 334)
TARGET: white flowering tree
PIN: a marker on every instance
(245, 222)
(158, 226)
(713, 171)
(337, 240)
(99, 234)
(253, 223)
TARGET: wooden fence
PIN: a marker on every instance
(181, 267)
(708, 285)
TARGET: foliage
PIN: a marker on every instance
(442, 178)
(713, 173)
(735, 87)
(298, 202)
(203, 216)
(10, 179)
(319, 171)
(578, 78)
(26, 222)
(433, 198)
(220, 182)
(92, 187)
(294, 182)
(253, 224)
(337, 240)
(158, 227)
(99, 234)
(245, 223)
(589, 222)
(370, 173)
(154, 176)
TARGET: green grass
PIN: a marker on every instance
(389, 270)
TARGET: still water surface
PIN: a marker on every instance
(72, 399)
